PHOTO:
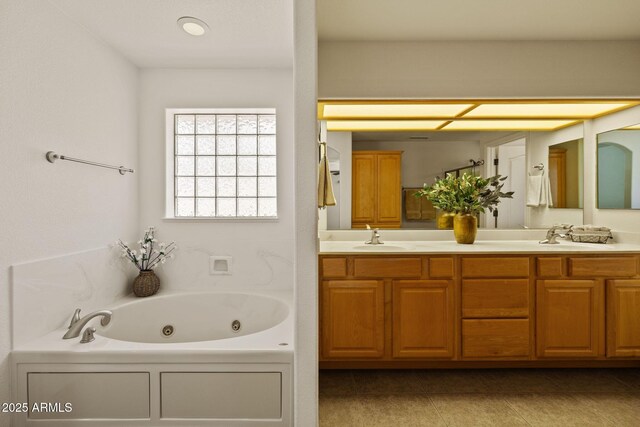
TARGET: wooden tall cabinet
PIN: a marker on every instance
(376, 192)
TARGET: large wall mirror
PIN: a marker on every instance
(410, 159)
(619, 168)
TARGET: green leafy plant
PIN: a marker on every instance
(468, 194)
(441, 194)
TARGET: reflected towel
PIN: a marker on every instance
(325, 186)
(412, 204)
(548, 198)
(534, 190)
(539, 191)
(428, 211)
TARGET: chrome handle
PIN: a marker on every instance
(87, 335)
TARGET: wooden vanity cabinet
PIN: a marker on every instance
(423, 319)
(623, 318)
(376, 193)
(445, 310)
(496, 308)
(570, 318)
(353, 319)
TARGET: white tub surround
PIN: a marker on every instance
(45, 292)
(239, 379)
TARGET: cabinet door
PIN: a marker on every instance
(423, 319)
(353, 319)
(363, 192)
(389, 197)
(623, 318)
(570, 318)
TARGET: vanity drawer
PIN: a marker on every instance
(603, 266)
(495, 267)
(495, 338)
(441, 268)
(550, 267)
(334, 267)
(380, 267)
(495, 298)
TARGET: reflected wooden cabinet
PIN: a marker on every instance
(570, 318)
(376, 195)
(623, 318)
(352, 319)
(423, 319)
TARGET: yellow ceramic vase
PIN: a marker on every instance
(445, 221)
(465, 228)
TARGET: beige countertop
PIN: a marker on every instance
(352, 247)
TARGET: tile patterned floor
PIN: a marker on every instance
(467, 398)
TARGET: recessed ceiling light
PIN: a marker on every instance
(193, 26)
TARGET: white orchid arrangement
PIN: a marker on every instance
(151, 254)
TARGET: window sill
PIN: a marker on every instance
(226, 219)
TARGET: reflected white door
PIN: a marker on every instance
(511, 163)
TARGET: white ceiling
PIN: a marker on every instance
(437, 20)
(243, 33)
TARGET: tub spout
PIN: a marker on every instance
(76, 328)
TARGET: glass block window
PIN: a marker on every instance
(224, 163)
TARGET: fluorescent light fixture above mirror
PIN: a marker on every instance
(382, 125)
(633, 127)
(540, 125)
(495, 114)
(390, 111)
(545, 110)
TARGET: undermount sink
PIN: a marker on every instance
(381, 248)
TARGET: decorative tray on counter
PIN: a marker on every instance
(590, 234)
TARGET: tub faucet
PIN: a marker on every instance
(554, 232)
(375, 237)
(76, 325)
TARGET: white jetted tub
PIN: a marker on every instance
(187, 358)
(194, 317)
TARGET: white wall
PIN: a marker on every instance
(538, 144)
(61, 90)
(306, 211)
(478, 69)
(262, 250)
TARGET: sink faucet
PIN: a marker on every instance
(558, 230)
(76, 325)
(375, 237)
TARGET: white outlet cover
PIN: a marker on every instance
(220, 265)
